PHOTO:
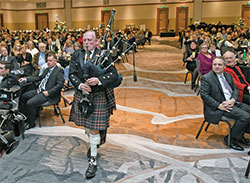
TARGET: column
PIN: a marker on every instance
(197, 11)
(68, 13)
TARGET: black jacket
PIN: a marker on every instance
(77, 70)
(9, 81)
(54, 84)
(212, 95)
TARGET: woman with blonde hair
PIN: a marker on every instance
(25, 59)
(31, 48)
(16, 49)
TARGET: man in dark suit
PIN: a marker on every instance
(8, 80)
(6, 58)
(97, 89)
(51, 47)
(219, 95)
(148, 35)
(39, 58)
(49, 89)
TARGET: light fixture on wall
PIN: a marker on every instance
(41, 5)
(105, 1)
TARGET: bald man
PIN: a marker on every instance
(96, 90)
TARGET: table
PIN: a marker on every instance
(167, 34)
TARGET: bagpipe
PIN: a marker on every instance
(100, 64)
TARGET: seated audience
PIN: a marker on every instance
(51, 47)
(16, 49)
(205, 59)
(68, 48)
(49, 89)
(219, 95)
(189, 58)
(39, 58)
(240, 42)
(5, 57)
(8, 80)
(228, 44)
(31, 48)
(214, 50)
(238, 77)
(25, 61)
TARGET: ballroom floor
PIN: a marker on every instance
(158, 116)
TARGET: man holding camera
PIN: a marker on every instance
(101, 95)
(7, 80)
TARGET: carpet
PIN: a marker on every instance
(58, 155)
(57, 159)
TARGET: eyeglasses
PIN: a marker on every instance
(228, 57)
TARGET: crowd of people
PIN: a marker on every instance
(46, 63)
(57, 61)
(203, 44)
(214, 54)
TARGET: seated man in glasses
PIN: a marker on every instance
(238, 77)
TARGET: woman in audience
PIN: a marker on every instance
(25, 59)
(189, 58)
(16, 49)
(68, 47)
(205, 59)
(31, 48)
(214, 50)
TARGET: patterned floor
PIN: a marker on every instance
(58, 154)
(151, 138)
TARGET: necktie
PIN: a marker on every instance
(225, 83)
(42, 85)
(4, 58)
(88, 56)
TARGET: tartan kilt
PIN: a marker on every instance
(98, 119)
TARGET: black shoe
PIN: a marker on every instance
(244, 141)
(236, 146)
(91, 171)
(29, 126)
(88, 154)
(233, 144)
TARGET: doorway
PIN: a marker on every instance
(105, 16)
(162, 20)
(181, 19)
(1, 20)
(42, 21)
(246, 14)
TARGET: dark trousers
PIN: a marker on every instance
(241, 112)
(246, 99)
(29, 102)
(148, 39)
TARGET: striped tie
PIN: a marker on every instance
(225, 83)
(42, 85)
